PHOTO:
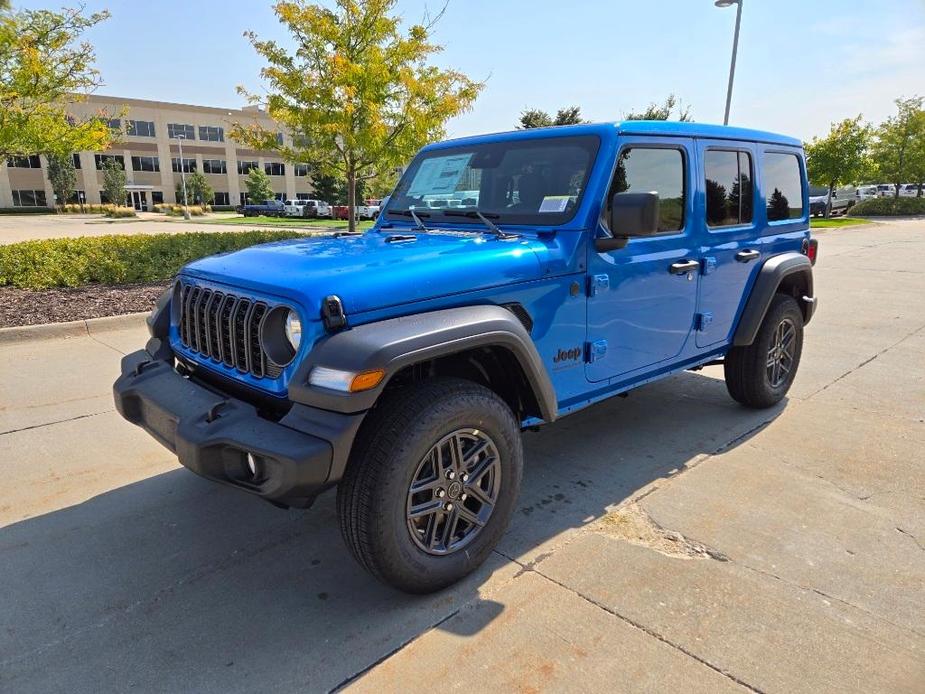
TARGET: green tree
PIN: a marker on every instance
(664, 111)
(114, 181)
(899, 140)
(44, 69)
(199, 190)
(840, 157)
(258, 186)
(357, 94)
(536, 118)
(325, 186)
(62, 175)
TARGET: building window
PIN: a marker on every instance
(176, 129)
(658, 170)
(783, 186)
(221, 199)
(146, 164)
(729, 187)
(275, 168)
(211, 133)
(115, 124)
(301, 169)
(189, 165)
(214, 166)
(279, 139)
(244, 167)
(76, 160)
(139, 128)
(157, 197)
(245, 198)
(100, 159)
(303, 196)
(280, 196)
(76, 197)
(29, 198)
(30, 162)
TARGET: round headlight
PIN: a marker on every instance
(293, 330)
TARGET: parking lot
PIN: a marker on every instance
(668, 541)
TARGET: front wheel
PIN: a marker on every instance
(431, 484)
(760, 374)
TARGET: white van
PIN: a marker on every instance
(865, 193)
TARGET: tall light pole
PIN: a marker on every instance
(735, 50)
(180, 139)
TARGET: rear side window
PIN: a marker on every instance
(729, 187)
(783, 186)
(654, 170)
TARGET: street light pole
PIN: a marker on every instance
(735, 50)
(186, 214)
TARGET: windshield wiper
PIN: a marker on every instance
(414, 215)
(475, 214)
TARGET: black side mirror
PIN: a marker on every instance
(631, 214)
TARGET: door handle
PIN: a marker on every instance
(682, 267)
(747, 254)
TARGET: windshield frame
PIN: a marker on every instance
(591, 142)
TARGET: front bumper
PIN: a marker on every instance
(212, 434)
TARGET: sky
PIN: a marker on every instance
(802, 63)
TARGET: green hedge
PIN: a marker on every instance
(888, 207)
(117, 259)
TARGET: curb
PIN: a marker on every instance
(77, 328)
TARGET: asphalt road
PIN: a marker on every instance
(669, 541)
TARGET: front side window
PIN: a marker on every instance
(728, 187)
(538, 181)
(783, 186)
(653, 170)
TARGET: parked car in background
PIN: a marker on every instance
(293, 208)
(865, 193)
(886, 190)
(909, 190)
(268, 208)
(362, 211)
(842, 200)
(314, 209)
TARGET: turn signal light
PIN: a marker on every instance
(366, 380)
(812, 250)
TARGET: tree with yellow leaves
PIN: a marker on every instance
(357, 95)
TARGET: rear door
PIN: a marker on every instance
(642, 299)
(728, 232)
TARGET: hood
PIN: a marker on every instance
(370, 271)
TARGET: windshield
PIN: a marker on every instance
(514, 182)
(818, 191)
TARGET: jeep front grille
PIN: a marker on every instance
(225, 328)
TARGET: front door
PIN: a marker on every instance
(140, 200)
(728, 235)
(643, 296)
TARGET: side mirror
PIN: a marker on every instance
(631, 214)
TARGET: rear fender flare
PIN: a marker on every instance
(772, 274)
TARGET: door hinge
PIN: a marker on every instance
(709, 264)
(595, 351)
(598, 284)
(703, 320)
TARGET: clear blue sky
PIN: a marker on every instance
(802, 64)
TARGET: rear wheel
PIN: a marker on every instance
(760, 374)
(431, 484)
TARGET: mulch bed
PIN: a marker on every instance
(33, 307)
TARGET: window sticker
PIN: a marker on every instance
(439, 175)
(554, 203)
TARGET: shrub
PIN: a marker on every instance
(117, 259)
(120, 212)
(888, 207)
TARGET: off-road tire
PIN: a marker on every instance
(746, 368)
(394, 439)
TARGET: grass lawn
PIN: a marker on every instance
(836, 222)
(287, 222)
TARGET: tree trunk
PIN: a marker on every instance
(918, 193)
(828, 202)
(351, 200)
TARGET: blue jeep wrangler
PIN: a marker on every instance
(510, 280)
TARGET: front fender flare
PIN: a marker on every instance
(399, 342)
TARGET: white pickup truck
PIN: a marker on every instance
(307, 208)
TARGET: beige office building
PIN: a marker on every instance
(150, 152)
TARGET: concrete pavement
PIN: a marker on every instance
(671, 541)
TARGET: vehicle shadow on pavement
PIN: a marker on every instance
(174, 583)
